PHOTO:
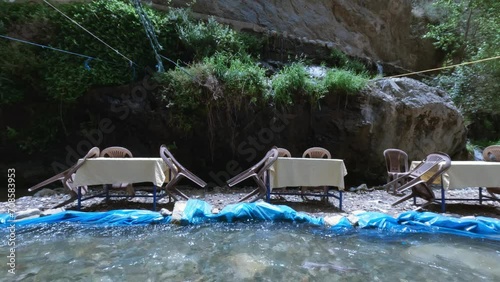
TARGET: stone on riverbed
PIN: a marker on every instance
(333, 220)
(165, 212)
(178, 212)
(52, 211)
(27, 213)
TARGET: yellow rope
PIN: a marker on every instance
(442, 68)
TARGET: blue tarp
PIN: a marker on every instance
(197, 212)
(110, 218)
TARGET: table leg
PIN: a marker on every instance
(340, 199)
(268, 188)
(480, 195)
(79, 197)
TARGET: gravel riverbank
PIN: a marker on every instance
(366, 199)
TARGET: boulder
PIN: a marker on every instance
(398, 113)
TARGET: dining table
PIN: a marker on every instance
(465, 174)
(106, 171)
(306, 172)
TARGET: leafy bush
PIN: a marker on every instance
(240, 75)
(292, 80)
(127, 37)
(344, 81)
(221, 83)
(468, 31)
(67, 77)
(203, 39)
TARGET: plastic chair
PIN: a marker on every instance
(492, 154)
(258, 173)
(116, 152)
(284, 153)
(177, 172)
(67, 176)
(420, 179)
(396, 162)
(317, 153)
(119, 152)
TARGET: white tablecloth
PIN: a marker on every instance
(290, 172)
(122, 170)
(463, 174)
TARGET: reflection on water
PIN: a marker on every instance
(252, 251)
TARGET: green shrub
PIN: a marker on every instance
(468, 31)
(239, 74)
(291, 81)
(219, 83)
(203, 39)
(344, 81)
(67, 77)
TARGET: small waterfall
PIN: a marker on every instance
(478, 154)
(316, 71)
(380, 68)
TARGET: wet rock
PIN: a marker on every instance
(165, 212)
(246, 266)
(178, 212)
(333, 220)
(27, 213)
(52, 211)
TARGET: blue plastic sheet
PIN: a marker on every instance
(264, 212)
(4, 217)
(482, 227)
(110, 218)
(197, 212)
(413, 222)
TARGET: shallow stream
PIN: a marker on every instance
(264, 251)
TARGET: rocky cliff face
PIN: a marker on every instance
(388, 31)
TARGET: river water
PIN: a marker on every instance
(262, 251)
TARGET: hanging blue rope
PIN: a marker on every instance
(48, 47)
(150, 32)
(86, 63)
